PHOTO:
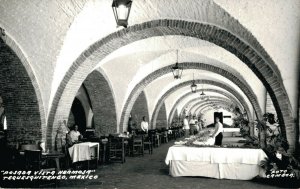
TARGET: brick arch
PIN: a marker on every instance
(254, 56)
(198, 108)
(204, 111)
(211, 99)
(140, 109)
(204, 106)
(247, 92)
(234, 93)
(202, 102)
(102, 101)
(188, 65)
(235, 101)
(162, 120)
(21, 95)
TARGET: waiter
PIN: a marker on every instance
(218, 132)
(186, 126)
(144, 125)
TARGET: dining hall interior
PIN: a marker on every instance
(151, 94)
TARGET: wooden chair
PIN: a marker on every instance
(116, 149)
(34, 162)
(165, 137)
(148, 144)
(96, 152)
(138, 145)
(170, 135)
(94, 156)
(104, 149)
(127, 143)
(157, 140)
(65, 146)
(29, 147)
(152, 136)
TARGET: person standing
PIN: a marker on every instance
(199, 125)
(218, 135)
(192, 125)
(130, 125)
(144, 125)
(186, 127)
(61, 136)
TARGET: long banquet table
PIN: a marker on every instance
(215, 162)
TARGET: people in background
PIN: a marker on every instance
(144, 125)
(193, 123)
(186, 126)
(218, 135)
(199, 125)
(75, 134)
(131, 127)
(61, 136)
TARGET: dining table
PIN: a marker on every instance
(84, 151)
(215, 162)
(52, 155)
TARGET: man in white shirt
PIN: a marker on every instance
(144, 125)
(218, 132)
(186, 126)
(75, 134)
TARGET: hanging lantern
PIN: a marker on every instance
(121, 10)
(193, 86)
(177, 70)
(202, 94)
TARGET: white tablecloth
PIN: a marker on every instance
(225, 130)
(84, 151)
(230, 163)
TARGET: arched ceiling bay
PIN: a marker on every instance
(188, 103)
(190, 50)
(184, 91)
(83, 32)
(198, 102)
(75, 25)
(158, 87)
(188, 95)
(122, 69)
(134, 67)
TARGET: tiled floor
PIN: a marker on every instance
(150, 171)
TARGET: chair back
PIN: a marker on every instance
(33, 159)
(115, 142)
(138, 141)
(25, 147)
(69, 142)
(147, 138)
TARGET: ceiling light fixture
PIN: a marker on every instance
(121, 9)
(176, 69)
(193, 86)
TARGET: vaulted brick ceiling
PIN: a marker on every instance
(53, 35)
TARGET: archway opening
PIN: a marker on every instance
(77, 116)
